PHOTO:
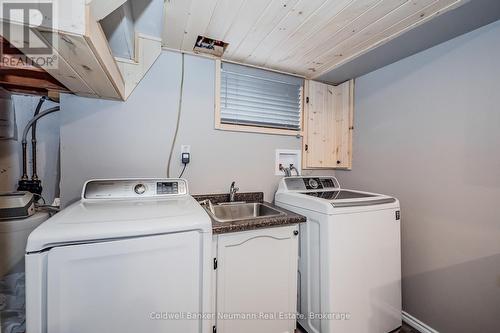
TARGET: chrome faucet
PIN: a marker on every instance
(232, 191)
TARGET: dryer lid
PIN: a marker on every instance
(324, 194)
(344, 198)
(109, 218)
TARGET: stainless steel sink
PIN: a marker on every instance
(241, 211)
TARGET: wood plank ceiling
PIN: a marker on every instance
(305, 37)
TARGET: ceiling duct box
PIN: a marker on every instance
(210, 46)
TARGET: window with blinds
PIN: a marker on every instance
(256, 97)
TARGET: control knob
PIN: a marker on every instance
(313, 183)
(140, 189)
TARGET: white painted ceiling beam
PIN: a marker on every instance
(102, 8)
(86, 64)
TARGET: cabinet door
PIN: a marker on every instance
(328, 125)
(257, 278)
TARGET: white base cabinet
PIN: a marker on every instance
(256, 280)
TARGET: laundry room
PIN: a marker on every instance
(323, 166)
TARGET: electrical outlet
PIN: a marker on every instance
(186, 149)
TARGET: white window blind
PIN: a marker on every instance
(256, 97)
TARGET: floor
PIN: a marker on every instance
(407, 329)
(404, 329)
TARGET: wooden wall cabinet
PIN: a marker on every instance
(328, 125)
(256, 273)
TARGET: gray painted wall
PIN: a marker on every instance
(132, 139)
(47, 148)
(427, 132)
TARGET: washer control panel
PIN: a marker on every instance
(311, 183)
(167, 188)
(134, 188)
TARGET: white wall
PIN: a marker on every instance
(102, 139)
(119, 29)
(427, 130)
(47, 148)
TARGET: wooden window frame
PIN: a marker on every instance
(249, 128)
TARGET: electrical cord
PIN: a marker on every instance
(181, 90)
(183, 169)
(39, 198)
(48, 208)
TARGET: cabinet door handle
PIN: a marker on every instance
(295, 232)
(338, 162)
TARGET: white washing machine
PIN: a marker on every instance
(131, 256)
(350, 256)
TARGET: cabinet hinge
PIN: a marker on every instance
(307, 100)
(215, 265)
(214, 329)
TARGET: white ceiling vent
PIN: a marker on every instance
(210, 46)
